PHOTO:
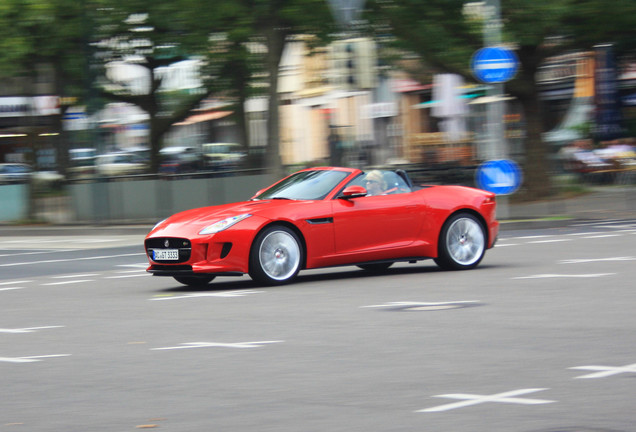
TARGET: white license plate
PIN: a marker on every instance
(165, 254)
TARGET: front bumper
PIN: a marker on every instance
(224, 253)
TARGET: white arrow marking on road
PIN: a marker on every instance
(471, 399)
(547, 276)
(257, 344)
(30, 359)
(27, 329)
(237, 293)
(605, 371)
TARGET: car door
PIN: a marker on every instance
(375, 222)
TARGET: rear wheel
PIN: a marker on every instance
(462, 243)
(276, 256)
(194, 281)
(376, 268)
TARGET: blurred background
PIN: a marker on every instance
(126, 111)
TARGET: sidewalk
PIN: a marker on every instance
(603, 203)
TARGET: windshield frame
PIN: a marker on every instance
(306, 185)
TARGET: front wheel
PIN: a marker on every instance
(276, 256)
(462, 243)
(194, 281)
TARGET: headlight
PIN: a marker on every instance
(224, 224)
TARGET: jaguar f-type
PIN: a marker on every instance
(325, 217)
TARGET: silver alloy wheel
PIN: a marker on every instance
(465, 241)
(279, 255)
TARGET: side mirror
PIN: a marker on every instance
(353, 192)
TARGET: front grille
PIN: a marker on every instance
(181, 244)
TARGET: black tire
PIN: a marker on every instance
(462, 243)
(194, 281)
(376, 268)
(276, 256)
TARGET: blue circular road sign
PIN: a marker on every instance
(492, 65)
(501, 177)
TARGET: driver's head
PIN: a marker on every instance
(375, 182)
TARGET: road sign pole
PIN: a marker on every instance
(496, 147)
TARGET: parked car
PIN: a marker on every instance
(15, 173)
(179, 159)
(115, 164)
(322, 217)
(82, 162)
(223, 156)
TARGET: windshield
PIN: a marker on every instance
(305, 185)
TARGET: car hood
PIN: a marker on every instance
(190, 222)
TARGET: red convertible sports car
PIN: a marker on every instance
(321, 217)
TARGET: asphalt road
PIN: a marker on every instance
(541, 337)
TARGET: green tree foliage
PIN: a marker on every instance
(149, 35)
(221, 32)
(45, 32)
(270, 23)
(445, 38)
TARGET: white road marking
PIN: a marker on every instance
(548, 276)
(531, 237)
(30, 359)
(143, 266)
(27, 329)
(602, 236)
(471, 399)
(68, 282)
(11, 288)
(549, 241)
(589, 260)
(127, 276)
(75, 276)
(423, 304)
(44, 251)
(15, 282)
(257, 344)
(605, 371)
(238, 293)
(67, 260)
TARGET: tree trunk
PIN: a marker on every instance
(536, 175)
(537, 181)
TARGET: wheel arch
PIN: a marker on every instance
(470, 211)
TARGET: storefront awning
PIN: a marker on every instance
(198, 118)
